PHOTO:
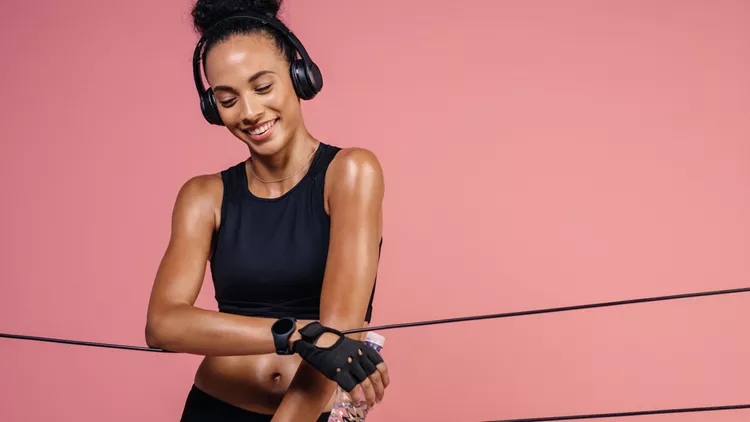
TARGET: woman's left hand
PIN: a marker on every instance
(347, 361)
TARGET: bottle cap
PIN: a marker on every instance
(375, 338)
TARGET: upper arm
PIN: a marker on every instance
(194, 219)
(355, 189)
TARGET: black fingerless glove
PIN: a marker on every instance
(333, 361)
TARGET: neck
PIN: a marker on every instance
(291, 160)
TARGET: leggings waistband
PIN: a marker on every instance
(202, 407)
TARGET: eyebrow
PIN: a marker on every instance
(255, 76)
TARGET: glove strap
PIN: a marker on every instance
(312, 332)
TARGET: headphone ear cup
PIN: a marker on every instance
(209, 108)
(315, 77)
(307, 81)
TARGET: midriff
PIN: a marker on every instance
(256, 383)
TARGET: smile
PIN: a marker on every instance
(260, 130)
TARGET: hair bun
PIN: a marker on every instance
(207, 12)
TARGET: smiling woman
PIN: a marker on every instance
(251, 106)
(292, 234)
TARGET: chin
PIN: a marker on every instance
(268, 147)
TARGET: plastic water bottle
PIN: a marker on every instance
(344, 409)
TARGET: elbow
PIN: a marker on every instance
(152, 338)
(165, 327)
(155, 332)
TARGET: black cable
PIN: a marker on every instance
(421, 323)
(475, 318)
(549, 310)
(83, 343)
(626, 414)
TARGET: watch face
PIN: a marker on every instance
(283, 326)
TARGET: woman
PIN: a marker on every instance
(294, 231)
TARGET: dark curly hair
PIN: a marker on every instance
(207, 14)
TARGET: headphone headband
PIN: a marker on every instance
(305, 73)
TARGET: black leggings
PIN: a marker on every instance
(201, 407)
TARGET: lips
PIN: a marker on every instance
(261, 128)
(261, 131)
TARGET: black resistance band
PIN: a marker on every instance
(626, 414)
(476, 318)
(420, 323)
(551, 310)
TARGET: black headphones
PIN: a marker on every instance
(306, 76)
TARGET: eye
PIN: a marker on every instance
(227, 103)
(263, 89)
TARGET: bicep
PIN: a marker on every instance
(355, 205)
(181, 271)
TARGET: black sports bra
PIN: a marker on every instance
(270, 254)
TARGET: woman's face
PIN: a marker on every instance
(254, 92)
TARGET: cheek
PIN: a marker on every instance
(288, 106)
(291, 104)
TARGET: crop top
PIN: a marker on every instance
(270, 254)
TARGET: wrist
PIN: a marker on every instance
(294, 337)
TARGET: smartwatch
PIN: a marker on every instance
(282, 329)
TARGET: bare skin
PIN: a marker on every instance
(252, 86)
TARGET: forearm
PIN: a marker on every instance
(307, 396)
(310, 391)
(187, 329)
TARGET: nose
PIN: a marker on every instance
(250, 109)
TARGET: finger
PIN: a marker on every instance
(377, 385)
(345, 380)
(369, 391)
(377, 360)
(383, 370)
(356, 395)
(373, 355)
(367, 364)
(357, 372)
(358, 375)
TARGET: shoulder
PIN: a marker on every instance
(355, 167)
(355, 174)
(200, 197)
(203, 187)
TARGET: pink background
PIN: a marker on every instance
(537, 154)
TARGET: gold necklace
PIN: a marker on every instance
(252, 169)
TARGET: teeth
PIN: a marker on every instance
(262, 129)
